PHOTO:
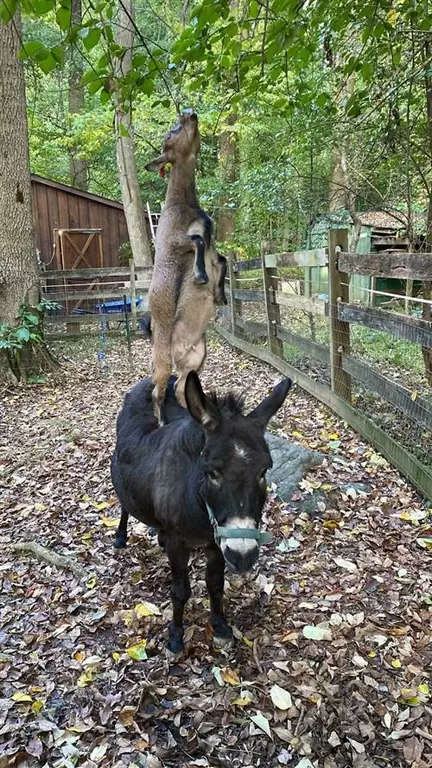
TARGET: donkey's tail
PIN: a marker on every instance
(145, 325)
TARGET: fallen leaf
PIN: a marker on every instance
(262, 723)
(34, 747)
(110, 522)
(347, 565)
(230, 677)
(98, 753)
(138, 651)
(359, 748)
(280, 697)
(316, 633)
(20, 697)
(413, 750)
(127, 715)
(146, 609)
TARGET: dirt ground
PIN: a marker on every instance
(332, 661)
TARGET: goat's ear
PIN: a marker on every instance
(199, 406)
(157, 164)
(268, 407)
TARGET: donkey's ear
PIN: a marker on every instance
(157, 164)
(200, 406)
(268, 407)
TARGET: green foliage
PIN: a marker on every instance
(27, 332)
(300, 80)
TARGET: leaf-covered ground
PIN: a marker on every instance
(332, 660)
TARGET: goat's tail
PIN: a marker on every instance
(144, 323)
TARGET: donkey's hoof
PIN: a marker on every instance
(223, 643)
(201, 278)
(120, 542)
(172, 657)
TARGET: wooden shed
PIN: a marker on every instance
(380, 231)
(57, 207)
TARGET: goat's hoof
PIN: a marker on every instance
(119, 543)
(201, 278)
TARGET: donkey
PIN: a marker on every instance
(188, 274)
(200, 480)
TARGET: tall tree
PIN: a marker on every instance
(78, 166)
(228, 161)
(126, 163)
(18, 264)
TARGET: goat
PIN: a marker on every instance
(188, 274)
(200, 480)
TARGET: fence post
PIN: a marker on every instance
(133, 296)
(270, 284)
(235, 304)
(339, 331)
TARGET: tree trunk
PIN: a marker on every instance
(18, 264)
(78, 167)
(228, 167)
(126, 163)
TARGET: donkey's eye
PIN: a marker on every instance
(214, 475)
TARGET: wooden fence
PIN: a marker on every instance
(83, 293)
(346, 370)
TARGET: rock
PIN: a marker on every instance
(290, 462)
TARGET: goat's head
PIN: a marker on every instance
(234, 462)
(181, 143)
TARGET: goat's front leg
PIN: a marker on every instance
(178, 557)
(215, 586)
(200, 274)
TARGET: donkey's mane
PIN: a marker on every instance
(229, 404)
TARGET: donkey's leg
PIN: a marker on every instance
(215, 586)
(200, 274)
(178, 557)
(121, 532)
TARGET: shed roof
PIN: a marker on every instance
(78, 192)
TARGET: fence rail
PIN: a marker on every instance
(77, 290)
(346, 370)
(408, 266)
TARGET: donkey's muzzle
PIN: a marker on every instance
(240, 554)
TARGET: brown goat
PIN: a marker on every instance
(188, 276)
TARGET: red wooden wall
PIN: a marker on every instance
(57, 206)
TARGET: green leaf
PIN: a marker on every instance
(322, 99)
(34, 50)
(32, 319)
(23, 333)
(42, 7)
(92, 38)
(7, 9)
(63, 17)
(47, 65)
(58, 54)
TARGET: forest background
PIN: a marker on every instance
(304, 106)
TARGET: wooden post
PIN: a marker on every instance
(133, 296)
(270, 284)
(235, 304)
(339, 331)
